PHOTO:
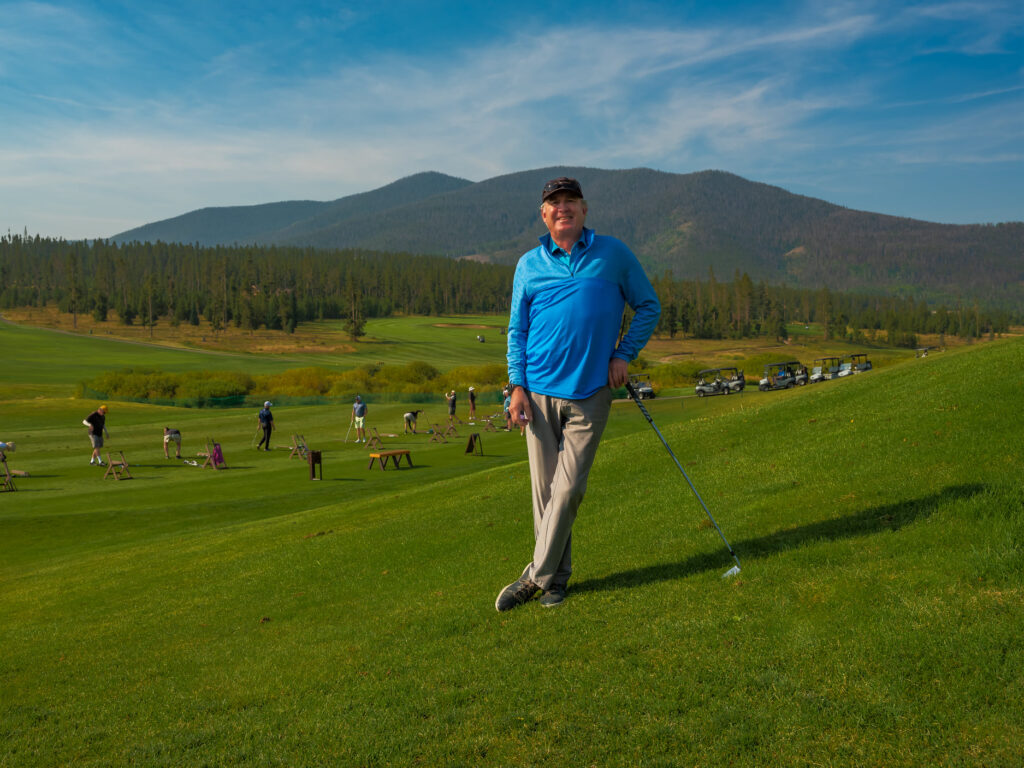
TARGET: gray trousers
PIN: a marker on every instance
(562, 442)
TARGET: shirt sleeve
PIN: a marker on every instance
(641, 297)
(518, 328)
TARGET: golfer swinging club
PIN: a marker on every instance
(568, 296)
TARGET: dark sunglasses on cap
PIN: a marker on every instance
(561, 184)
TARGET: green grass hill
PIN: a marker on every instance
(253, 617)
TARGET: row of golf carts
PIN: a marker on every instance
(826, 368)
(783, 375)
(794, 374)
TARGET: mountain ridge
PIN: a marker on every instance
(686, 224)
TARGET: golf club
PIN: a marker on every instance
(252, 443)
(632, 393)
(348, 433)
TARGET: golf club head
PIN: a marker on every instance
(731, 572)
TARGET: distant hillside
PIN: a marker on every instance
(222, 226)
(276, 222)
(684, 223)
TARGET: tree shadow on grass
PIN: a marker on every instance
(888, 517)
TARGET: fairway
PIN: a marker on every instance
(30, 352)
(252, 616)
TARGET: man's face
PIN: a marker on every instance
(564, 215)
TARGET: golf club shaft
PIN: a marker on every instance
(643, 410)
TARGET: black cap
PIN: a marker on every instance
(561, 184)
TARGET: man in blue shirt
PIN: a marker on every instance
(568, 296)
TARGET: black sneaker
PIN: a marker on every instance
(552, 597)
(516, 593)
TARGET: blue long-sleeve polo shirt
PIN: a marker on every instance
(566, 313)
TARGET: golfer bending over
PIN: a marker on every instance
(410, 421)
(568, 296)
(172, 434)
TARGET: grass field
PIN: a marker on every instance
(254, 617)
(444, 342)
(32, 337)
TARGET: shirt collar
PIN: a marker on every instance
(586, 238)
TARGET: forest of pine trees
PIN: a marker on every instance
(248, 287)
(277, 287)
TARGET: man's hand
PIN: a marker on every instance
(519, 406)
(618, 372)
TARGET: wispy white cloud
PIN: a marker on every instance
(235, 130)
(47, 33)
(973, 27)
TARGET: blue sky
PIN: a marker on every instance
(115, 114)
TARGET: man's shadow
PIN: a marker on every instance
(888, 517)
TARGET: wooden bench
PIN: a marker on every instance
(383, 456)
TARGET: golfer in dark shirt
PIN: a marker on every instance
(97, 424)
(266, 420)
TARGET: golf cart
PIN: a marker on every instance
(720, 381)
(860, 362)
(824, 368)
(641, 383)
(791, 373)
(845, 369)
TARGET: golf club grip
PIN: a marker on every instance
(640, 405)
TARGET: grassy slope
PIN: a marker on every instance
(444, 342)
(44, 363)
(191, 618)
